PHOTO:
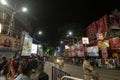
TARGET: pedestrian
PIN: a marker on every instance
(99, 63)
(43, 76)
(89, 72)
(20, 74)
(26, 71)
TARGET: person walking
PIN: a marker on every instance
(89, 72)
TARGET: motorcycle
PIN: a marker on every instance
(59, 63)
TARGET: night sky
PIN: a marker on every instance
(52, 16)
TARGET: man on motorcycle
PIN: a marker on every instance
(59, 62)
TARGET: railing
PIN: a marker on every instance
(70, 78)
(57, 73)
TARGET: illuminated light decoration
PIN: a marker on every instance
(4, 2)
(24, 9)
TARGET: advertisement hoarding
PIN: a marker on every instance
(102, 25)
(91, 30)
(85, 40)
(40, 50)
(114, 21)
(115, 43)
(34, 49)
(27, 45)
(92, 51)
(76, 50)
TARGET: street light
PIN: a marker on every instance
(4, 2)
(40, 32)
(70, 34)
(12, 19)
(61, 42)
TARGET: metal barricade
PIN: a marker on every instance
(70, 78)
(57, 73)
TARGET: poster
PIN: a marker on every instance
(104, 52)
(103, 44)
(91, 30)
(114, 21)
(92, 51)
(76, 50)
(85, 40)
(40, 50)
(102, 25)
(7, 41)
(80, 49)
(27, 45)
(115, 43)
(34, 49)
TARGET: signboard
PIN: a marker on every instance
(34, 49)
(85, 40)
(27, 45)
(40, 50)
(92, 51)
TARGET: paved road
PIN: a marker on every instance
(76, 71)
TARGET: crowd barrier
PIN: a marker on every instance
(57, 73)
(70, 78)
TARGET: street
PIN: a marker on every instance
(76, 71)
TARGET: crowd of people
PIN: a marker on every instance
(26, 68)
(105, 63)
(99, 62)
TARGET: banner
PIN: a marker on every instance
(92, 51)
(104, 52)
(79, 49)
(40, 50)
(8, 43)
(114, 21)
(76, 50)
(34, 49)
(27, 45)
(102, 25)
(115, 43)
(85, 40)
(91, 31)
